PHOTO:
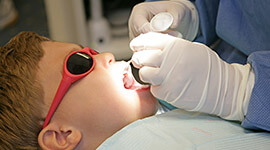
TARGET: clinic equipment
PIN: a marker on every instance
(99, 28)
(67, 22)
(77, 65)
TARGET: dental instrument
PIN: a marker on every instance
(135, 73)
(162, 22)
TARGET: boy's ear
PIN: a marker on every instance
(59, 137)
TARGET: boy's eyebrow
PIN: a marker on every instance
(80, 46)
(72, 50)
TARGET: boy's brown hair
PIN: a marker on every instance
(20, 93)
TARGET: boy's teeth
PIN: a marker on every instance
(128, 82)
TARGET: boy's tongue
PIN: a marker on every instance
(130, 82)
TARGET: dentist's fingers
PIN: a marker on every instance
(151, 58)
(151, 40)
(151, 75)
(142, 24)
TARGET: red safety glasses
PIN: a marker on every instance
(77, 65)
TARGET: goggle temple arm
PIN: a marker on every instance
(62, 89)
(93, 52)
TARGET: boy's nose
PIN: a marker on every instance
(106, 59)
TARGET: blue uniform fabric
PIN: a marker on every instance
(243, 27)
(207, 11)
(244, 24)
(258, 115)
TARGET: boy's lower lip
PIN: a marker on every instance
(144, 89)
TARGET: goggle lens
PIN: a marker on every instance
(79, 63)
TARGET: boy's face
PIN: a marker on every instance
(97, 104)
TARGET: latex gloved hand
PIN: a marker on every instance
(185, 17)
(191, 76)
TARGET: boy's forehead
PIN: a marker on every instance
(60, 45)
(63, 48)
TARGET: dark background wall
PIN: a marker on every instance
(32, 17)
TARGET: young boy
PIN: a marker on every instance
(57, 95)
(92, 109)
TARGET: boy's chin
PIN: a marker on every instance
(148, 99)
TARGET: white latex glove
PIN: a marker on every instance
(185, 17)
(191, 76)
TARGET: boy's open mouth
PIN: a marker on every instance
(130, 82)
